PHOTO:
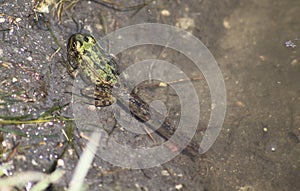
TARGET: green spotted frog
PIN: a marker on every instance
(87, 58)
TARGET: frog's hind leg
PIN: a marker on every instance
(103, 96)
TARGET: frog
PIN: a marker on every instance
(87, 58)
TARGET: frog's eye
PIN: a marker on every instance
(86, 39)
(108, 78)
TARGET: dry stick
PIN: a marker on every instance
(165, 84)
(13, 152)
(149, 134)
(117, 7)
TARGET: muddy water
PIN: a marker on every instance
(258, 147)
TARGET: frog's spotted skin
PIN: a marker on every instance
(88, 59)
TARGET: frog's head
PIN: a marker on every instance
(78, 43)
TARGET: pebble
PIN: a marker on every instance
(34, 163)
(226, 24)
(2, 20)
(265, 129)
(185, 23)
(29, 58)
(165, 173)
(14, 80)
(178, 186)
(240, 104)
(262, 58)
(165, 12)
(294, 62)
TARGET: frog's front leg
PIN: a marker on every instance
(73, 72)
(98, 95)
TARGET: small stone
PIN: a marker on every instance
(14, 80)
(165, 12)
(2, 20)
(290, 44)
(240, 104)
(226, 24)
(294, 62)
(91, 108)
(273, 149)
(186, 23)
(163, 84)
(178, 186)
(99, 27)
(60, 162)
(29, 58)
(165, 173)
(43, 6)
(34, 163)
(262, 58)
